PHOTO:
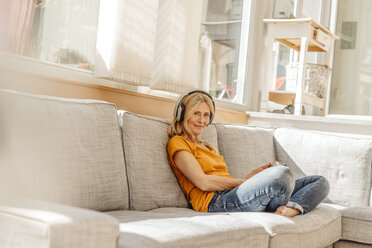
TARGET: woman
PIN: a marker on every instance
(204, 178)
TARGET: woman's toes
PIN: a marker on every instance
(282, 210)
(287, 211)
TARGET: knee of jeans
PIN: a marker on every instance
(282, 187)
(284, 178)
(288, 178)
(286, 175)
(325, 184)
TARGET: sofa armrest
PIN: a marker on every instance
(32, 223)
(357, 224)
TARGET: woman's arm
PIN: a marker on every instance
(190, 167)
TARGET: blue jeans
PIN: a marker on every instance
(270, 189)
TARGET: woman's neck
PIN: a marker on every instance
(196, 140)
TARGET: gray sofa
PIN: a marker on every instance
(79, 173)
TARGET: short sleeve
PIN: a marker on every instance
(176, 144)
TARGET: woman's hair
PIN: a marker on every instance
(190, 102)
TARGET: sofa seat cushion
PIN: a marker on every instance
(244, 148)
(180, 227)
(62, 150)
(350, 244)
(345, 161)
(318, 228)
(152, 183)
(357, 224)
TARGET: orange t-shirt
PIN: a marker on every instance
(210, 162)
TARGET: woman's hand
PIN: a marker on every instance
(257, 170)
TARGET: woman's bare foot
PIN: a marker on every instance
(287, 211)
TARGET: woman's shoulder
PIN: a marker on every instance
(179, 141)
(176, 138)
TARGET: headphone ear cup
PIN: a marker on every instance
(181, 112)
(210, 118)
(178, 113)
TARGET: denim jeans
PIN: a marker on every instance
(270, 189)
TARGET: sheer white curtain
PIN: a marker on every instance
(175, 64)
(150, 42)
(125, 41)
(15, 24)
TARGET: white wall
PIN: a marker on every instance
(351, 92)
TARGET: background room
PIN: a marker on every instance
(142, 54)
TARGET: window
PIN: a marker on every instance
(62, 32)
(223, 48)
(65, 32)
(351, 91)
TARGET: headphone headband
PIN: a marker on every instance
(179, 108)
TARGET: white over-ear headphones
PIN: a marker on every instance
(179, 108)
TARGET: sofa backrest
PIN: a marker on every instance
(152, 183)
(345, 161)
(62, 150)
(244, 148)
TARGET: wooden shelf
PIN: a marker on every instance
(286, 98)
(319, 37)
(295, 44)
(303, 20)
(302, 35)
(282, 97)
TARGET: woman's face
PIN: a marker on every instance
(199, 120)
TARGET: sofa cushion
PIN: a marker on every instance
(63, 150)
(344, 161)
(180, 227)
(357, 224)
(152, 183)
(318, 228)
(30, 223)
(349, 244)
(244, 148)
